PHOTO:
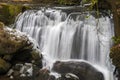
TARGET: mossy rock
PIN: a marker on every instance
(4, 66)
(115, 55)
(36, 55)
(11, 41)
(2, 24)
(8, 12)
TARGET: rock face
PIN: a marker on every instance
(115, 57)
(15, 48)
(81, 69)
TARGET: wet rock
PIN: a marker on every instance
(4, 66)
(51, 77)
(81, 69)
(68, 76)
(44, 74)
(18, 50)
(21, 70)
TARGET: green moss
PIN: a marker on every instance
(116, 40)
(8, 12)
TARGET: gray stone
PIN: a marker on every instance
(83, 70)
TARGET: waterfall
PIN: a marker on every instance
(70, 36)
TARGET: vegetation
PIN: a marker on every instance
(116, 40)
(8, 12)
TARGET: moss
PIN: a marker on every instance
(116, 40)
(8, 12)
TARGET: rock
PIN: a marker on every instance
(11, 40)
(16, 45)
(1, 24)
(37, 57)
(7, 57)
(82, 69)
(115, 55)
(35, 54)
(68, 76)
(17, 49)
(51, 77)
(44, 74)
(4, 66)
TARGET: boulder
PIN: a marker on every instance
(83, 70)
(17, 48)
(11, 41)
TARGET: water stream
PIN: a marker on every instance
(70, 36)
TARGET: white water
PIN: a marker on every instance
(64, 38)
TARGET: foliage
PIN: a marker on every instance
(91, 2)
(116, 40)
(8, 13)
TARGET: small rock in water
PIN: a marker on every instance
(71, 76)
(10, 72)
(18, 67)
(11, 77)
(22, 75)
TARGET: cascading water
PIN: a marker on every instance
(76, 36)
